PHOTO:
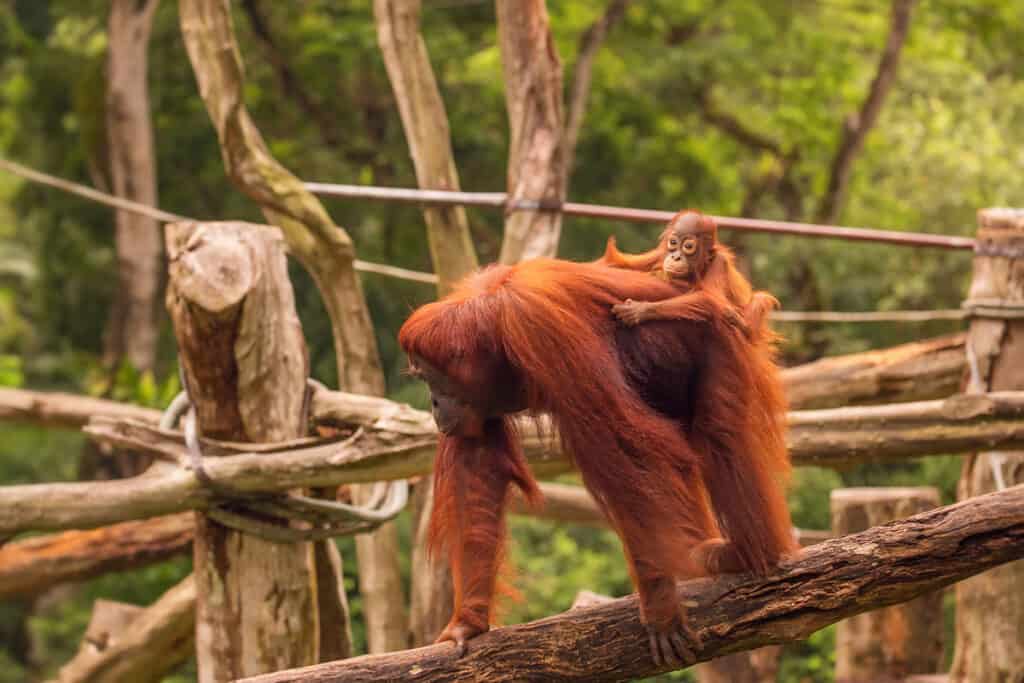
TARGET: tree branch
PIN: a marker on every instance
(917, 371)
(140, 644)
(962, 423)
(39, 563)
(291, 84)
(831, 581)
(857, 126)
(589, 45)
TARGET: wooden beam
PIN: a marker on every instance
(36, 564)
(835, 437)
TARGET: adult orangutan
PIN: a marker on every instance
(690, 256)
(665, 421)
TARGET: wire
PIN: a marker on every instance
(167, 217)
(867, 316)
(500, 200)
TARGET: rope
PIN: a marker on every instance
(271, 517)
(166, 217)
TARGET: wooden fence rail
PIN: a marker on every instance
(395, 441)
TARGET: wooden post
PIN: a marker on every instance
(245, 363)
(892, 643)
(990, 607)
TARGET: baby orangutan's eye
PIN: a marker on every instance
(690, 247)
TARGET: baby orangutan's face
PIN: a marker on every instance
(687, 252)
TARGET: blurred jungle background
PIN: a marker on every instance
(738, 107)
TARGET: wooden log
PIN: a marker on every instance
(245, 365)
(892, 643)
(917, 371)
(39, 563)
(56, 410)
(883, 566)
(129, 643)
(990, 608)
(833, 437)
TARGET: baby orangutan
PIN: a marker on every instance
(689, 257)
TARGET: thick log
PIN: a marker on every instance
(887, 644)
(245, 365)
(128, 643)
(883, 566)
(822, 438)
(37, 564)
(917, 371)
(990, 608)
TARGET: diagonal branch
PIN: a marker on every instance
(833, 580)
(291, 83)
(579, 93)
(857, 126)
(735, 128)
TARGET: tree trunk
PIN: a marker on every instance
(323, 247)
(536, 159)
(132, 330)
(892, 643)
(245, 364)
(990, 607)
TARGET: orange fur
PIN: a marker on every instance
(662, 420)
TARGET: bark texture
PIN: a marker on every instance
(990, 607)
(883, 566)
(323, 247)
(425, 123)
(892, 643)
(132, 330)
(536, 158)
(39, 563)
(917, 371)
(245, 364)
(403, 447)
